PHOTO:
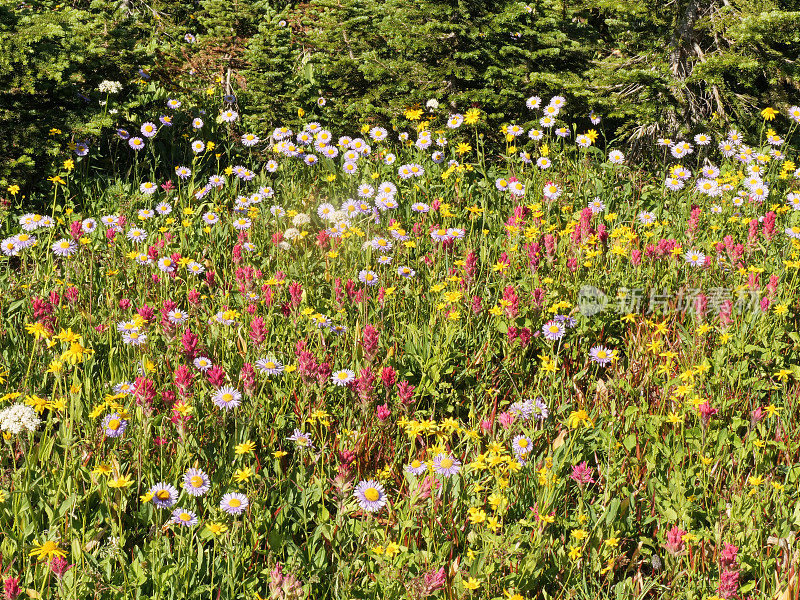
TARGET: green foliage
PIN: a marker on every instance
(52, 58)
(378, 57)
(651, 69)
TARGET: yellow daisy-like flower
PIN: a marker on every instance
(216, 528)
(391, 549)
(472, 584)
(768, 114)
(102, 469)
(471, 116)
(121, 482)
(243, 475)
(413, 114)
(37, 330)
(48, 550)
(578, 418)
(245, 447)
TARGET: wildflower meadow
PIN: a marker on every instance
(428, 357)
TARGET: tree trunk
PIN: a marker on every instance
(682, 39)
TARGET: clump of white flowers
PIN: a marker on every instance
(301, 219)
(292, 233)
(109, 87)
(339, 216)
(17, 418)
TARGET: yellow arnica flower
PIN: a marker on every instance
(578, 418)
(245, 447)
(121, 482)
(48, 550)
(37, 330)
(472, 584)
(471, 116)
(216, 528)
(768, 114)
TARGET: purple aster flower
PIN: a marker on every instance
(164, 495)
(566, 320)
(114, 425)
(229, 116)
(303, 440)
(416, 467)
(343, 377)
(196, 482)
(601, 355)
(64, 247)
(183, 517)
(540, 410)
(148, 188)
(269, 366)
(553, 330)
(202, 364)
(406, 272)
(368, 277)
(446, 465)
(148, 129)
(521, 445)
(370, 495)
(227, 397)
(234, 503)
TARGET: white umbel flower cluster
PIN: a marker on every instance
(17, 418)
(292, 233)
(109, 87)
(301, 219)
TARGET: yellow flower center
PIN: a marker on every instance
(234, 503)
(372, 494)
(196, 481)
(446, 463)
(162, 494)
(113, 424)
